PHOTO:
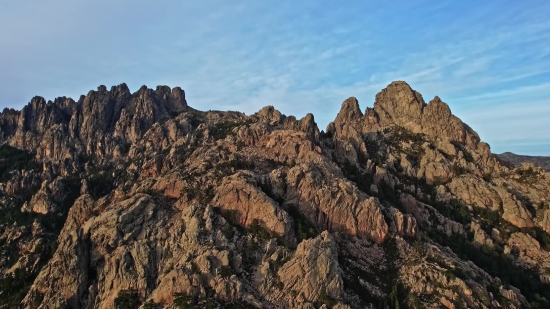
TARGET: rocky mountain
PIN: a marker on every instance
(125, 200)
(517, 160)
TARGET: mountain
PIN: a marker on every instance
(127, 200)
(518, 160)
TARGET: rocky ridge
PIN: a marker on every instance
(125, 200)
(517, 160)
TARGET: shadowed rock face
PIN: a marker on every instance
(97, 124)
(137, 197)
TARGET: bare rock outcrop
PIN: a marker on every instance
(473, 191)
(63, 281)
(529, 253)
(242, 194)
(313, 270)
(404, 225)
(180, 207)
(334, 204)
(47, 198)
(480, 236)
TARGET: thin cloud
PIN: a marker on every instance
(295, 56)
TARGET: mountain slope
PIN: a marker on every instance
(518, 160)
(158, 204)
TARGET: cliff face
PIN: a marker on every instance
(100, 124)
(123, 200)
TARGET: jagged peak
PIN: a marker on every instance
(307, 125)
(400, 95)
(37, 101)
(120, 89)
(266, 110)
(349, 111)
(271, 115)
(357, 188)
(175, 95)
(442, 107)
(177, 91)
(10, 110)
(308, 118)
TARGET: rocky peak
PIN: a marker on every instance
(348, 112)
(8, 122)
(159, 204)
(270, 115)
(398, 104)
(177, 100)
(120, 90)
(437, 120)
(39, 115)
(307, 125)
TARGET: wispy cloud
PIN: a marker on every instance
(300, 57)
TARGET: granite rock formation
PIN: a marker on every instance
(122, 200)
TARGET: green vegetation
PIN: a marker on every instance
(184, 151)
(250, 246)
(127, 299)
(228, 231)
(397, 296)
(490, 219)
(494, 261)
(12, 213)
(104, 182)
(303, 228)
(467, 155)
(150, 305)
(397, 299)
(201, 195)
(387, 193)
(9, 252)
(279, 261)
(497, 264)
(256, 229)
(325, 299)
(397, 136)
(53, 222)
(208, 301)
(15, 287)
(363, 181)
(228, 167)
(222, 129)
(231, 215)
(488, 177)
(195, 118)
(16, 159)
(371, 145)
(453, 210)
(540, 235)
(183, 301)
(225, 271)
(457, 169)
(527, 176)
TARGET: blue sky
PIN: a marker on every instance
(489, 60)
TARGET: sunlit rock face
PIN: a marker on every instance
(137, 200)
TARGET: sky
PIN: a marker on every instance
(489, 60)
